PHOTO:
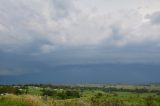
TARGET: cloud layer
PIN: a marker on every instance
(60, 22)
(76, 32)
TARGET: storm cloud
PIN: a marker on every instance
(37, 36)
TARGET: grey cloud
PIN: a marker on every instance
(11, 71)
(25, 62)
(38, 35)
(58, 23)
(155, 17)
(63, 8)
(24, 21)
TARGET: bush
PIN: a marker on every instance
(49, 92)
(98, 95)
(72, 94)
(10, 89)
(61, 95)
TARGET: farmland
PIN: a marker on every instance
(80, 95)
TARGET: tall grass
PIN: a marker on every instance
(21, 100)
(100, 100)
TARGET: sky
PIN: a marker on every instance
(79, 41)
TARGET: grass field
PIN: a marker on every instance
(80, 96)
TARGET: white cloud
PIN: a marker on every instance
(77, 23)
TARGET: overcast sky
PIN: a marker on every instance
(39, 35)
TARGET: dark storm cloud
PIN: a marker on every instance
(91, 73)
(48, 37)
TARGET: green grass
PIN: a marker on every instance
(34, 90)
(128, 99)
(89, 97)
(12, 101)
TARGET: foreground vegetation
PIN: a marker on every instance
(88, 95)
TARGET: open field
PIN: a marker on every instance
(80, 95)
